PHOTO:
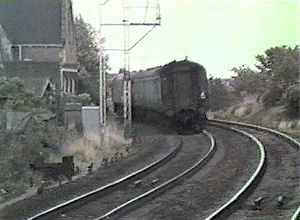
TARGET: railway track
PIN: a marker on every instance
(107, 188)
(155, 149)
(235, 202)
(120, 199)
(280, 184)
(245, 165)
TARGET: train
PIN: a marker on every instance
(178, 91)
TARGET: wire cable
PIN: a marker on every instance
(142, 38)
(146, 11)
(105, 2)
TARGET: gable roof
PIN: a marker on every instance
(32, 21)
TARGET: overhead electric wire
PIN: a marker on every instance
(142, 38)
(105, 2)
(146, 11)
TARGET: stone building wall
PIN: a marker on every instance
(40, 54)
(5, 53)
(72, 117)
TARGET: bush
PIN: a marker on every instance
(293, 101)
(22, 144)
(272, 96)
(219, 95)
(85, 99)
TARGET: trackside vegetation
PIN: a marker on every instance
(267, 94)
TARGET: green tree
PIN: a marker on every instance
(220, 95)
(281, 64)
(278, 71)
(88, 57)
(249, 81)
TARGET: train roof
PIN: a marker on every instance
(183, 65)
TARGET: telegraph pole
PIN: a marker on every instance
(127, 81)
(127, 98)
(102, 80)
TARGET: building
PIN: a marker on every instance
(38, 45)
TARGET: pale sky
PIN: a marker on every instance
(219, 34)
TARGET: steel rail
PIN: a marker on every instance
(252, 180)
(296, 214)
(272, 131)
(108, 186)
(288, 138)
(166, 184)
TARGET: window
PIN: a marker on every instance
(15, 52)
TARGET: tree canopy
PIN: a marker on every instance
(88, 56)
(277, 72)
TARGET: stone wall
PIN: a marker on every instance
(41, 54)
(72, 117)
(5, 53)
(90, 122)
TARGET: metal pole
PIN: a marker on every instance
(62, 89)
(127, 82)
(104, 92)
(102, 83)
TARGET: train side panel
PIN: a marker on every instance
(147, 93)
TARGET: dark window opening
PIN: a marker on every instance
(15, 53)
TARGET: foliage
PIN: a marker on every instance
(88, 57)
(293, 100)
(248, 81)
(19, 147)
(278, 70)
(281, 64)
(85, 99)
(220, 96)
(18, 99)
(272, 96)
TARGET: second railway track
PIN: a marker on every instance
(122, 198)
(211, 195)
(227, 187)
(279, 190)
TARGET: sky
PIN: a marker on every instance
(219, 34)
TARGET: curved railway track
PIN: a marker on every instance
(123, 198)
(281, 178)
(232, 205)
(234, 163)
(109, 187)
(156, 147)
(247, 164)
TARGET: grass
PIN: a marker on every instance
(110, 146)
(254, 113)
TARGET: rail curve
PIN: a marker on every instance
(282, 135)
(252, 180)
(201, 162)
(110, 185)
